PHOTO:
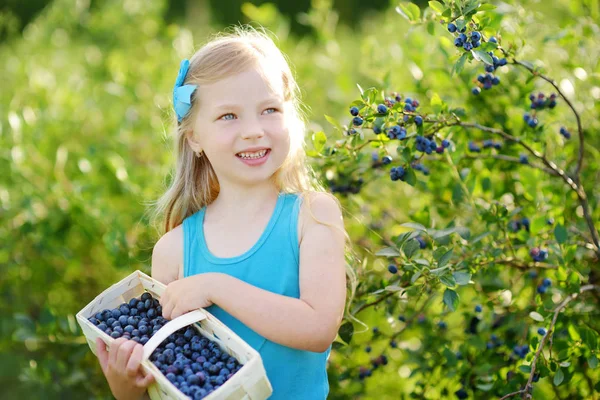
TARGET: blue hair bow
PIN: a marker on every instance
(182, 95)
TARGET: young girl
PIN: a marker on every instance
(250, 236)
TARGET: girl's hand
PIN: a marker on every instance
(121, 367)
(187, 294)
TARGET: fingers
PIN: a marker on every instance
(102, 353)
(144, 381)
(114, 350)
(134, 361)
(124, 354)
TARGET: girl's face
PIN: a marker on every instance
(238, 113)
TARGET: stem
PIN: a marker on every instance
(528, 386)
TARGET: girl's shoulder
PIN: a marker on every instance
(323, 206)
(167, 256)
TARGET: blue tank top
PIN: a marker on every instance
(271, 264)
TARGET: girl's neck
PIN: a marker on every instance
(234, 206)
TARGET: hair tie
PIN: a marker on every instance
(182, 95)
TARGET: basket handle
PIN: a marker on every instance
(169, 328)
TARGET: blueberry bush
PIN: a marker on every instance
(460, 137)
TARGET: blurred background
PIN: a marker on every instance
(85, 122)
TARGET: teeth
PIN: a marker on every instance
(257, 154)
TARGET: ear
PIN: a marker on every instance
(193, 141)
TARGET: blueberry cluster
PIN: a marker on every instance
(521, 351)
(468, 43)
(420, 167)
(364, 372)
(137, 320)
(494, 342)
(543, 287)
(537, 254)
(490, 143)
(396, 132)
(488, 79)
(345, 188)
(563, 131)
(397, 173)
(540, 101)
(194, 364)
(426, 145)
(473, 147)
(516, 224)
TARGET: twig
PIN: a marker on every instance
(525, 392)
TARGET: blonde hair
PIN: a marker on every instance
(194, 184)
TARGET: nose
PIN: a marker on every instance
(252, 129)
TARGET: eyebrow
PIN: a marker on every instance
(230, 106)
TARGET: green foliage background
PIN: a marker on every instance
(85, 119)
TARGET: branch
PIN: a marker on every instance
(526, 391)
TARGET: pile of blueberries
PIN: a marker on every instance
(192, 363)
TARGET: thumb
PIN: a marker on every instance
(101, 353)
(144, 381)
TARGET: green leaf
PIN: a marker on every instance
(593, 361)
(436, 6)
(416, 276)
(388, 252)
(410, 177)
(410, 248)
(451, 299)
(536, 316)
(560, 233)
(319, 139)
(482, 56)
(558, 377)
(589, 337)
(346, 331)
(525, 368)
(414, 225)
(459, 65)
(486, 7)
(333, 122)
(448, 280)
(445, 258)
(410, 11)
(462, 278)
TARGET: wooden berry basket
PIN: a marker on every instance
(249, 383)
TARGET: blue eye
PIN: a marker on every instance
(224, 115)
(272, 108)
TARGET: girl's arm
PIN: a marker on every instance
(312, 321)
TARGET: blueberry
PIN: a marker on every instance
(532, 122)
(523, 159)
(496, 81)
(475, 36)
(146, 296)
(418, 120)
(542, 331)
(386, 160)
(357, 121)
(354, 111)
(115, 335)
(546, 282)
(476, 90)
(467, 46)
(451, 27)
(102, 326)
(382, 109)
(493, 39)
(368, 349)
(402, 318)
(445, 143)
(541, 289)
(461, 393)
(458, 42)
(393, 269)
(478, 308)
